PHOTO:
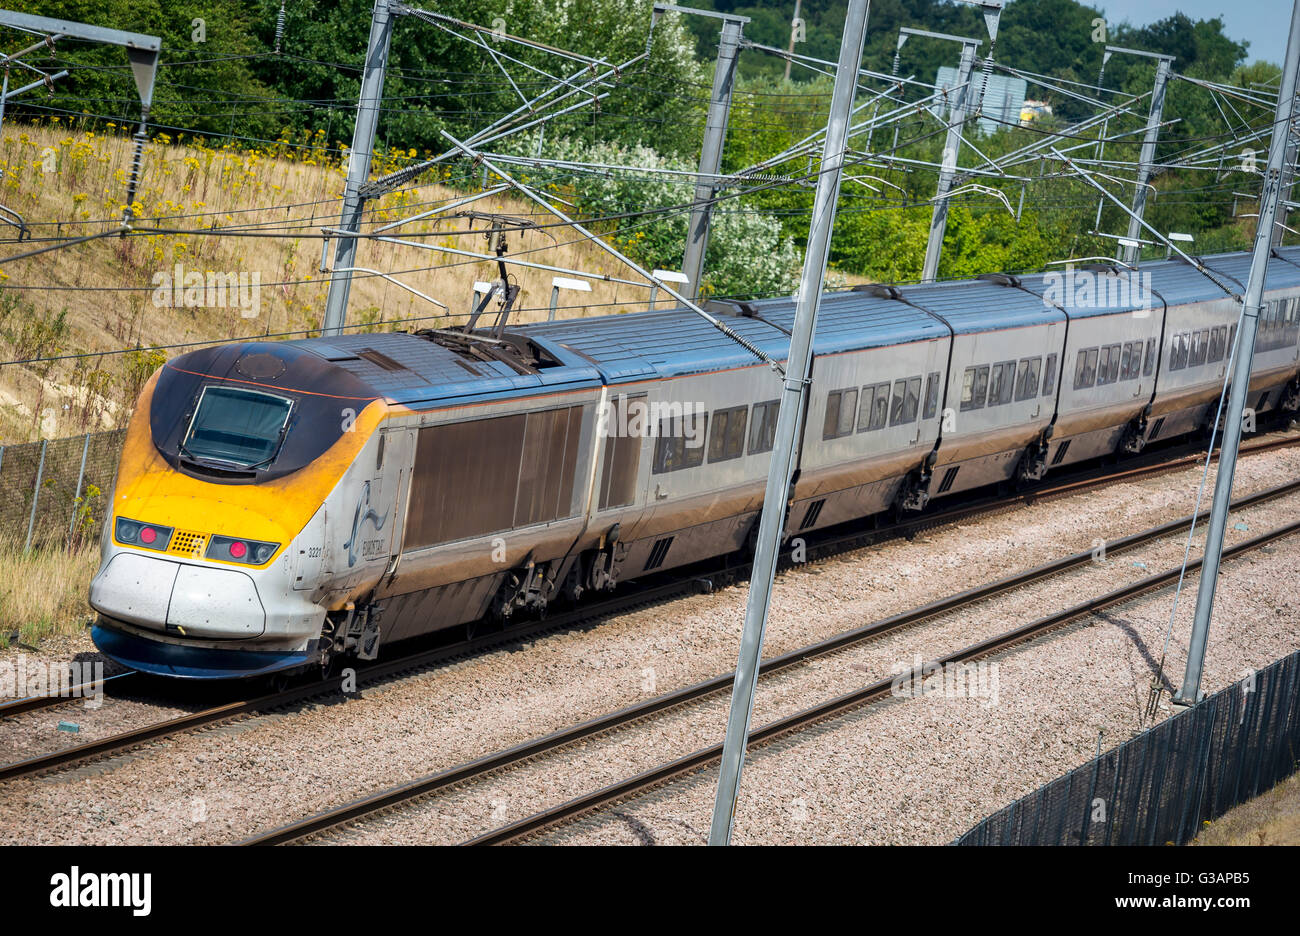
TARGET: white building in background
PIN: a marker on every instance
(1003, 98)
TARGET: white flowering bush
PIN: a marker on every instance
(747, 253)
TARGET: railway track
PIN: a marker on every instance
(648, 594)
(633, 786)
(478, 769)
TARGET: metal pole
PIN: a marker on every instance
(1288, 179)
(789, 416)
(794, 25)
(1190, 691)
(81, 476)
(951, 146)
(715, 136)
(36, 494)
(363, 144)
(1148, 155)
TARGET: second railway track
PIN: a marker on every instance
(480, 768)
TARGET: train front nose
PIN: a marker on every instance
(179, 598)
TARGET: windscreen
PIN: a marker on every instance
(236, 427)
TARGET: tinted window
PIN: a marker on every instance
(762, 428)
(1027, 378)
(931, 395)
(1085, 368)
(1001, 376)
(681, 442)
(974, 387)
(622, 453)
(239, 428)
(1149, 365)
(1049, 375)
(1217, 339)
(875, 407)
(1200, 346)
(907, 397)
(727, 434)
(841, 410)
(1178, 352)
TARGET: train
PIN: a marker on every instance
(286, 505)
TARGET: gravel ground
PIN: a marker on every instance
(228, 782)
(471, 809)
(923, 771)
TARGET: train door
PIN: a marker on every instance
(393, 477)
(1051, 354)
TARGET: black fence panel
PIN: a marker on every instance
(1159, 787)
(47, 497)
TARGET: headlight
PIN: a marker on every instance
(232, 549)
(144, 535)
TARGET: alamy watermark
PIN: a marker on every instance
(622, 417)
(182, 289)
(950, 680)
(23, 678)
(1084, 289)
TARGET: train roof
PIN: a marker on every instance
(854, 320)
(668, 343)
(420, 371)
(412, 370)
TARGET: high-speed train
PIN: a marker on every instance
(279, 504)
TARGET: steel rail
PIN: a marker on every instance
(557, 815)
(368, 805)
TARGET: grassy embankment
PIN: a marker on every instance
(68, 180)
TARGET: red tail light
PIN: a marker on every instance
(238, 550)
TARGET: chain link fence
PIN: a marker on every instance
(57, 490)
(1159, 787)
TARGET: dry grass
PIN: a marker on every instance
(44, 591)
(1270, 819)
(69, 180)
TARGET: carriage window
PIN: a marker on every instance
(1001, 382)
(681, 442)
(841, 409)
(905, 401)
(1126, 361)
(1027, 378)
(875, 407)
(1085, 368)
(1232, 340)
(1049, 376)
(1200, 345)
(1149, 364)
(1103, 364)
(931, 395)
(727, 435)
(1108, 365)
(1178, 354)
(1217, 339)
(469, 478)
(974, 387)
(622, 452)
(762, 429)
(907, 395)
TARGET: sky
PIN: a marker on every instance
(1262, 23)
